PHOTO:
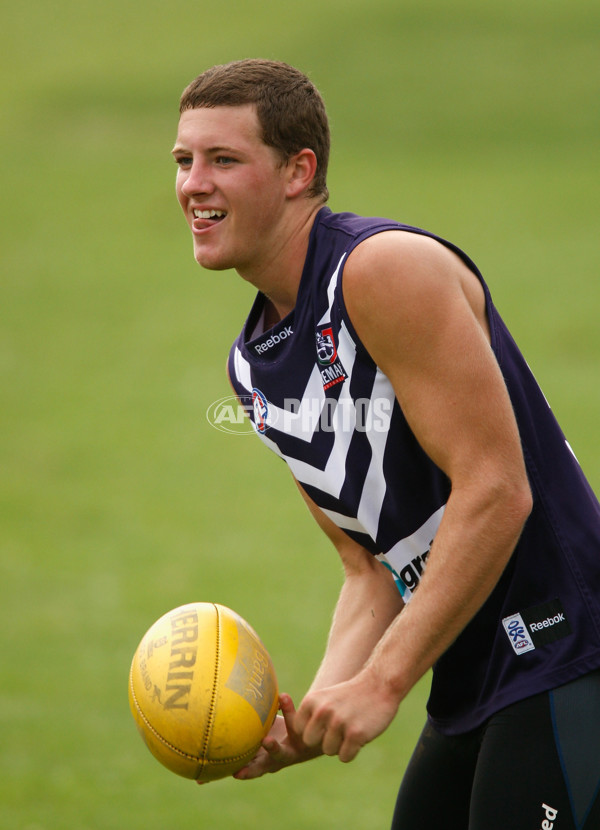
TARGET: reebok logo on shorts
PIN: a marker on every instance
(537, 626)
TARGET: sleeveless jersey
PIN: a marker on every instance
(317, 399)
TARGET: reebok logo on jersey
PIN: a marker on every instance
(537, 626)
(273, 340)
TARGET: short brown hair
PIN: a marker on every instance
(290, 109)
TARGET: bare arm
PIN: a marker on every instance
(419, 312)
(369, 600)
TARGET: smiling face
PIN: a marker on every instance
(231, 186)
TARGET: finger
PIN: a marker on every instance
(349, 749)
(312, 721)
(333, 740)
(271, 758)
(286, 704)
(254, 769)
(288, 710)
(315, 730)
(271, 745)
(302, 717)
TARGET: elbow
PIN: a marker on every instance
(517, 503)
(501, 501)
(526, 501)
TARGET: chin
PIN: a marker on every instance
(212, 263)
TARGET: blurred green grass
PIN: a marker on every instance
(118, 499)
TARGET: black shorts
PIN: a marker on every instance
(532, 766)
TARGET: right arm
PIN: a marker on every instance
(369, 601)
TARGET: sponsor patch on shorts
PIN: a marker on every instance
(537, 626)
(517, 634)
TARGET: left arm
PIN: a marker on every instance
(420, 313)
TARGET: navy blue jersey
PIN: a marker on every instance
(317, 399)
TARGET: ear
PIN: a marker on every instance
(301, 170)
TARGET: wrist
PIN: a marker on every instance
(387, 682)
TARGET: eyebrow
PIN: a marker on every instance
(217, 149)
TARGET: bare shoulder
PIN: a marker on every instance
(409, 278)
(407, 266)
(410, 244)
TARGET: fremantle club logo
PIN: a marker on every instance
(326, 350)
(330, 366)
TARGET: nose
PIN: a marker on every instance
(197, 180)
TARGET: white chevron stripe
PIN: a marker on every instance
(304, 421)
(334, 471)
(331, 292)
(305, 473)
(374, 489)
(242, 370)
(345, 522)
(401, 555)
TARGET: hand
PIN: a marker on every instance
(282, 747)
(341, 719)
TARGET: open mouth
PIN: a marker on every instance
(214, 215)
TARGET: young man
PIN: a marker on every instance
(379, 369)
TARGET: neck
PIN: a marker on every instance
(279, 274)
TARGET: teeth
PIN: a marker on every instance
(209, 214)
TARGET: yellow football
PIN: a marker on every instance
(203, 691)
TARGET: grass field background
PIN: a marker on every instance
(119, 501)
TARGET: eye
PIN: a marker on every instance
(224, 161)
(183, 161)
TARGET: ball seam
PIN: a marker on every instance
(153, 730)
(175, 749)
(213, 700)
